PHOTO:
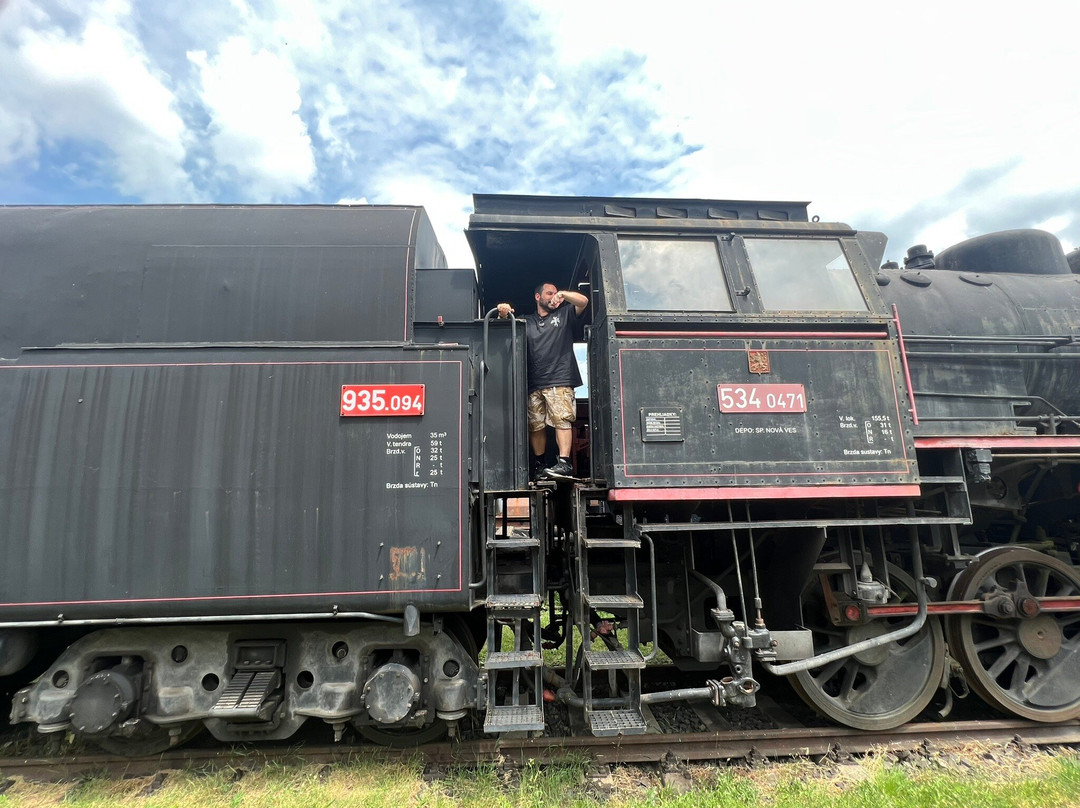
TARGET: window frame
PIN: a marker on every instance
(721, 266)
(747, 266)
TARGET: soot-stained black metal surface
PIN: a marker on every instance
(827, 412)
(146, 483)
(172, 274)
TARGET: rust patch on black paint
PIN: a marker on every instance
(758, 361)
(407, 566)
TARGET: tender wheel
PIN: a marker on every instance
(878, 689)
(152, 741)
(405, 738)
(1027, 666)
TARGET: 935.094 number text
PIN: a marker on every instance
(382, 399)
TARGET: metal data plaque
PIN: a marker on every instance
(661, 424)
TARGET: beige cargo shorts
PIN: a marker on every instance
(554, 406)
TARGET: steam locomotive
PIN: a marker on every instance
(266, 464)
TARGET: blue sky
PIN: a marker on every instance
(915, 119)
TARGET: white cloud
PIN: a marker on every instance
(330, 107)
(447, 208)
(880, 115)
(18, 136)
(865, 109)
(252, 97)
(92, 82)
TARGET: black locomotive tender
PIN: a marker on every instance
(260, 465)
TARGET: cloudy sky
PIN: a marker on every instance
(915, 118)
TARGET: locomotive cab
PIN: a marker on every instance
(731, 345)
(748, 412)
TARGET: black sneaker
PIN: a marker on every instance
(560, 469)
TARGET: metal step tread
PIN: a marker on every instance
(529, 718)
(614, 601)
(605, 723)
(514, 543)
(501, 660)
(514, 602)
(613, 543)
(245, 694)
(606, 660)
(832, 566)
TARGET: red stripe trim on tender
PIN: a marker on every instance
(990, 442)
(215, 598)
(758, 334)
(790, 492)
(237, 364)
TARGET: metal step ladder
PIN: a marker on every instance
(515, 595)
(624, 718)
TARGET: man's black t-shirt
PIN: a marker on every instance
(550, 343)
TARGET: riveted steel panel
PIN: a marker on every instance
(852, 427)
(188, 482)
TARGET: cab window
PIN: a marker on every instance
(803, 275)
(672, 275)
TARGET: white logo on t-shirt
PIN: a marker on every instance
(555, 319)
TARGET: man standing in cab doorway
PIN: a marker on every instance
(553, 373)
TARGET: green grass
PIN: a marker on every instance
(1033, 782)
(556, 657)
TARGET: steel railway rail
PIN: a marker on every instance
(728, 745)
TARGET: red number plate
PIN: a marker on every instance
(761, 397)
(382, 399)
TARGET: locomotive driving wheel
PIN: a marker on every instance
(880, 688)
(1024, 662)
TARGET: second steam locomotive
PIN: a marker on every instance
(266, 465)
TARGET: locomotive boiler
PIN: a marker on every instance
(260, 465)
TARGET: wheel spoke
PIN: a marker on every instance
(1003, 662)
(1021, 578)
(848, 686)
(1019, 675)
(1068, 588)
(827, 673)
(996, 642)
(1041, 582)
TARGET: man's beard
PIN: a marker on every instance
(550, 306)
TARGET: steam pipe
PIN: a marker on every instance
(873, 642)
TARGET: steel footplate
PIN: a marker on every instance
(245, 697)
(605, 723)
(611, 543)
(520, 602)
(607, 660)
(501, 660)
(514, 543)
(609, 602)
(529, 718)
